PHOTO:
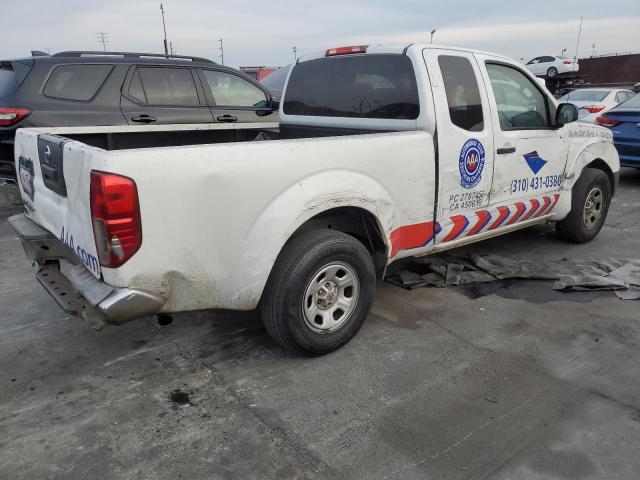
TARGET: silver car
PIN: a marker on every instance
(593, 102)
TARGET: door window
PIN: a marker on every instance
(547, 59)
(520, 104)
(533, 61)
(463, 95)
(231, 90)
(164, 86)
(76, 82)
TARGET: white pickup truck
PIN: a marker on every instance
(382, 152)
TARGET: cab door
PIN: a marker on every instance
(465, 144)
(531, 154)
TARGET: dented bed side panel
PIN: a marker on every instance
(212, 233)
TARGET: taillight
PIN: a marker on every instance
(607, 122)
(346, 50)
(567, 62)
(594, 108)
(10, 116)
(115, 214)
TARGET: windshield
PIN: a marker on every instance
(275, 80)
(585, 96)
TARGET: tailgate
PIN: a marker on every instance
(54, 179)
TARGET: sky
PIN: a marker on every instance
(263, 33)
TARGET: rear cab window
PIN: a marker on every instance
(369, 86)
(76, 82)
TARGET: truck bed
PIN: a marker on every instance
(152, 136)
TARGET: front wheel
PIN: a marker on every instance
(552, 72)
(590, 200)
(319, 292)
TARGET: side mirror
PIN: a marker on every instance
(275, 104)
(566, 113)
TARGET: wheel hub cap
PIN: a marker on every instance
(593, 207)
(327, 295)
(331, 297)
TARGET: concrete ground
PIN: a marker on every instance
(505, 381)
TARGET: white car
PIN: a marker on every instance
(382, 152)
(593, 102)
(550, 67)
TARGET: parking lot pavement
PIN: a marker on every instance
(507, 380)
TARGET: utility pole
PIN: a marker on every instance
(221, 48)
(562, 52)
(432, 33)
(171, 48)
(295, 53)
(102, 38)
(164, 27)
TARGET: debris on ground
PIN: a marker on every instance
(10, 201)
(621, 276)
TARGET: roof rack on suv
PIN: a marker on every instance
(81, 53)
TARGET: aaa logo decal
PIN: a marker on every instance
(471, 163)
(534, 161)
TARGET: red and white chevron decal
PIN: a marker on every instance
(459, 226)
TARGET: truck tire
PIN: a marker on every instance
(552, 72)
(590, 200)
(319, 292)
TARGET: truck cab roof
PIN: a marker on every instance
(399, 48)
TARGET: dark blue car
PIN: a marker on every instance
(624, 122)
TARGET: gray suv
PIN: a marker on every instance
(122, 88)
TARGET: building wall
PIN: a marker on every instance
(620, 70)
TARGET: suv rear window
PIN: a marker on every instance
(8, 82)
(165, 86)
(76, 82)
(359, 86)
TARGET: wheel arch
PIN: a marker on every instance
(358, 222)
(324, 200)
(600, 164)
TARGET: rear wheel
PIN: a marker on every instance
(552, 72)
(590, 199)
(319, 292)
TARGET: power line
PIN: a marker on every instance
(102, 38)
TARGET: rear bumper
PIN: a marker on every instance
(74, 287)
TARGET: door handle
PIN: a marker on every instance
(227, 118)
(143, 119)
(503, 150)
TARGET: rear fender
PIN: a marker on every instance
(298, 204)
